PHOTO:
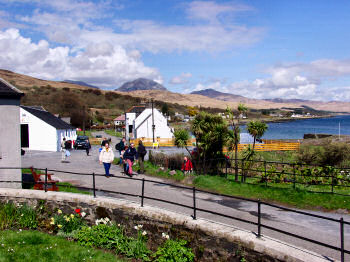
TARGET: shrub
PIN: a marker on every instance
(68, 223)
(12, 216)
(173, 161)
(174, 250)
(103, 236)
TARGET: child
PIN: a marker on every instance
(187, 166)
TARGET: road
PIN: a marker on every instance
(314, 228)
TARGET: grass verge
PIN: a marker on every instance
(112, 132)
(297, 198)
(37, 246)
(87, 133)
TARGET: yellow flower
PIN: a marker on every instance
(59, 226)
(72, 216)
(59, 211)
(52, 223)
(67, 219)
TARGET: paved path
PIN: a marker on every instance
(314, 228)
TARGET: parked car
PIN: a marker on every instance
(82, 142)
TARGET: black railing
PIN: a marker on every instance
(195, 209)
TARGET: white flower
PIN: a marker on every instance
(20, 230)
(107, 219)
(144, 233)
(167, 236)
(136, 227)
(164, 235)
(118, 225)
(83, 214)
(21, 215)
(139, 226)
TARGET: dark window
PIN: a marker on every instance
(24, 135)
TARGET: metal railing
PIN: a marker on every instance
(259, 205)
(284, 175)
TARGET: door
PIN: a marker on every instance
(24, 135)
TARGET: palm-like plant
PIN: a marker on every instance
(234, 137)
(256, 129)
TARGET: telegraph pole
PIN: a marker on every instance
(153, 126)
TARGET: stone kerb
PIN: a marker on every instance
(210, 241)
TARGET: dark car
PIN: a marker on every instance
(82, 142)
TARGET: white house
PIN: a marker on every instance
(139, 124)
(10, 143)
(120, 120)
(41, 130)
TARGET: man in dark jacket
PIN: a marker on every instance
(129, 156)
(141, 152)
(120, 147)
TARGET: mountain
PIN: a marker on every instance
(81, 83)
(212, 93)
(141, 84)
(281, 100)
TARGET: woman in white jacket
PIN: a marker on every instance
(106, 157)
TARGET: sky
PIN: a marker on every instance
(258, 49)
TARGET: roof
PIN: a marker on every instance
(48, 117)
(9, 91)
(120, 118)
(136, 109)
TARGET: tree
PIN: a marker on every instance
(211, 133)
(256, 129)
(165, 109)
(192, 111)
(181, 138)
(234, 137)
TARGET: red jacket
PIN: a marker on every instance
(187, 166)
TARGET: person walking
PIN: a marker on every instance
(67, 147)
(106, 158)
(120, 147)
(187, 166)
(63, 150)
(129, 157)
(141, 152)
(88, 147)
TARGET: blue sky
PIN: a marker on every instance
(259, 49)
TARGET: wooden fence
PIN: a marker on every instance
(271, 145)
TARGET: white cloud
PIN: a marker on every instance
(181, 79)
(101, 64)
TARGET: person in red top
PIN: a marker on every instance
(187, 166)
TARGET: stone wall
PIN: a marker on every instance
(210, 241)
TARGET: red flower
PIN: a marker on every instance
(77, 210)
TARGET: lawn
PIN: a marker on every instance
(87, 133)
(39, 247)
(112, 132)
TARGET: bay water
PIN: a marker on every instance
(296, 129)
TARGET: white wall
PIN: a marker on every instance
(130, 117)
(10, 142)
(143, 125)
(43, 136)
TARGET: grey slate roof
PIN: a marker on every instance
(9, 91)
(48, 117)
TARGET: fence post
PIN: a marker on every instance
(265, 173)
(242, 171)
(93, 184)
(342, 240)
(194, 204)
(259, 218)
(143, 191)
(45, 184)
(294, 177)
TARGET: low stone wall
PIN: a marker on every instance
(210, 241)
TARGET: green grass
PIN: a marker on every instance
(87, 133)
(297, 198)
(153, 170)
(68, 187)
(41, 247)
(112, 132)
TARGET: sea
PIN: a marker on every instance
(295, 129)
